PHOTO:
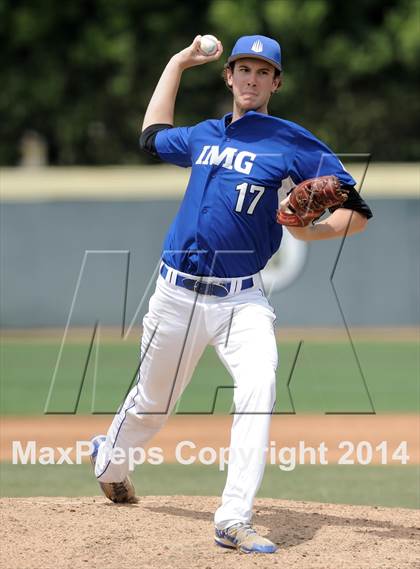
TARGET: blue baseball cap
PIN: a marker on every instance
(259, 47)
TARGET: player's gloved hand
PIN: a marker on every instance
(309, 199)
(192, 55)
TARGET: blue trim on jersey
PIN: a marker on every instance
(226, 224)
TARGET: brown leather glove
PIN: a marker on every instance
(309, 199)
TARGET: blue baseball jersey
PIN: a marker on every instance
(226, 224)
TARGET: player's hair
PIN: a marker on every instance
(231, 66)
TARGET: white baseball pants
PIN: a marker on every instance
(176, 330)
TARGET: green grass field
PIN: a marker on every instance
(326, 378)
(373, 485)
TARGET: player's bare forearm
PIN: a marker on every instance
(162, 104)
(336, 225)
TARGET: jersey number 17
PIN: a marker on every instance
(242, 189)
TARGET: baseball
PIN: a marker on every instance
(208, 44)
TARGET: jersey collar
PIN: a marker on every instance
(226, 120)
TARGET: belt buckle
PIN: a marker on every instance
(212, 289)
(197, 286)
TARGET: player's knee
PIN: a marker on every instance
(259, 387)
(267, 385)
(149, 422)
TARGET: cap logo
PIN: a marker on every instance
(257, 46)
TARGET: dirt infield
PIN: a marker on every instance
(177, 532)
(287, 430)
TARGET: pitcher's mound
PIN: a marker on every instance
(177, 532)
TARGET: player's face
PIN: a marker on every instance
(252, 82)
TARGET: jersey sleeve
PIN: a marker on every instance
(148, 135)
(313, 158)
(172, 145)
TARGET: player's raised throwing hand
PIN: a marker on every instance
(194, 54)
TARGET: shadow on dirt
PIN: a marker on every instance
(290, 528)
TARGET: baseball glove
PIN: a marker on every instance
(309, 199)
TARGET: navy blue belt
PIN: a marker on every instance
(215, 289)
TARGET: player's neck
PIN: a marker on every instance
(239, 112)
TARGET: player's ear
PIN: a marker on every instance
(277, 83)
(229, 78)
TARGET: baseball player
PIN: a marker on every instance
(209, 290)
